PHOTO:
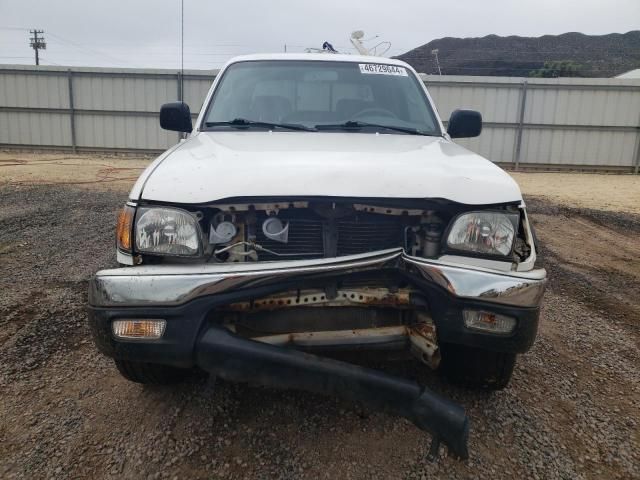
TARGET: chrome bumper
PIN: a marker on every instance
(170, 285)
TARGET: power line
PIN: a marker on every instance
(86, 49)
(52, 63)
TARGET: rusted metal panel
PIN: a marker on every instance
(424, 344)
(317, 298)
(420, 337)
(360, 336)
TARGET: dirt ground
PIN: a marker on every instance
(108, 172)
(617, 193)
(571, 411)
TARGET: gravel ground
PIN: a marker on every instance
(571, 410)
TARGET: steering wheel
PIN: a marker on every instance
(383, 111)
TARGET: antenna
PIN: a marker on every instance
(384, 48)
(181, 50)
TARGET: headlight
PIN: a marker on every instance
(486, 233)
(167, 231)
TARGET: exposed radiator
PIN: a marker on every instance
(305, 241)
(360, 237)
(355, 235)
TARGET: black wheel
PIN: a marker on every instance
(151, 373)
(475, 367)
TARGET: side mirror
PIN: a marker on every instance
(464, 124)
(176, 116)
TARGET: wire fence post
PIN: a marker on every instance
(518, 140)
(72, 112)
(636, 168)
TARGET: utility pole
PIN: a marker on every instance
(37, 43)
(435, 52)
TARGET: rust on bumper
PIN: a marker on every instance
(373, 297)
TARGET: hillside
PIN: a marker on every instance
(597, 55)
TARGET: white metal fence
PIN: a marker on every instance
(93, 108)
(550, 123)
(547, 123)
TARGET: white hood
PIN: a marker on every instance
(218, 165)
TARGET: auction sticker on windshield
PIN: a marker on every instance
(378, 69)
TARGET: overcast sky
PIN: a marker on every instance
(146, 33)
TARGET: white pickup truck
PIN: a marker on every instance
(319, 204)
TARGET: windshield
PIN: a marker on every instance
(322, 95)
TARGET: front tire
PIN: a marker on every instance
(476, 367)
(151, 373)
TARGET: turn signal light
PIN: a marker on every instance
(125, 228)
(488, 322)
(143, 329)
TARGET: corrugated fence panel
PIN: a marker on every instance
(195, 90)
(498, 101)
(567, 121)
(18, 89)
(122, 132)
(495, 143)
(610, 111)
(123, 94)
(578, 147)
(582, 106)
(37, 129)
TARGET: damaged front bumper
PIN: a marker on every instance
(172, 285)
(182, 294)
(188, 296)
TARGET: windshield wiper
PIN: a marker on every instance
(244, 123)
(355, 124)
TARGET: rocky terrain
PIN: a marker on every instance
(597, 55)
